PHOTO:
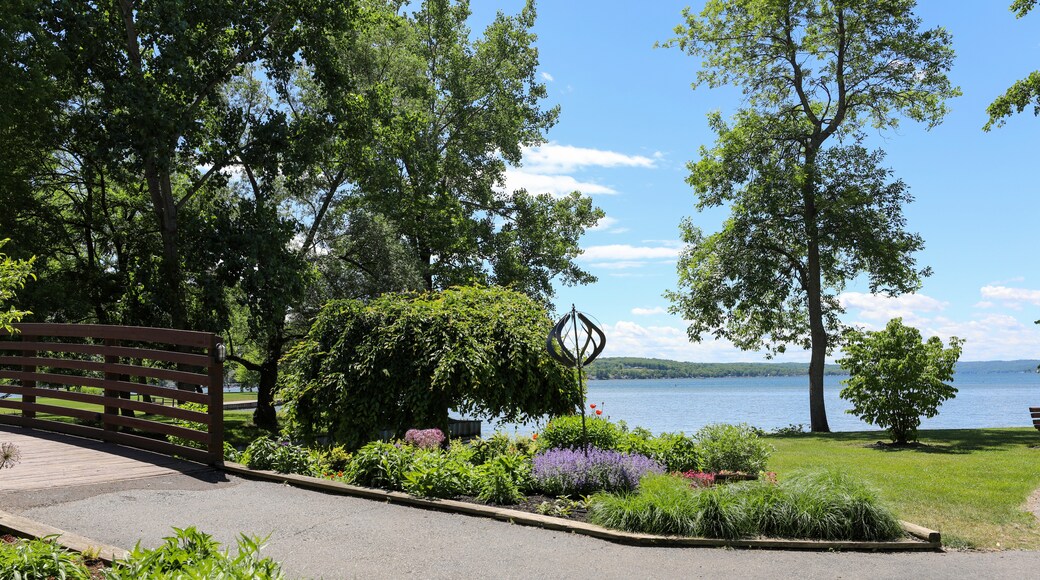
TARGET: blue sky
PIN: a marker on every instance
(630, 122)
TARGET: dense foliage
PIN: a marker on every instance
(653, 368)
(28, 559)
(231, 166)
(13, 274)
(401, 361)
(811, 206)
(896, 378)
(190, 553)
(723, 447)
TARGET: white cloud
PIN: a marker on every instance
(547, 77)
(626, 252)
(608, 225)
(1011, 297)
(985, 304)
(558, 185)
(648, 311)
(553, 158)
(881, 308)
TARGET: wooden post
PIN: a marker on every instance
(28, 400)
(216, 401)
(111, 410)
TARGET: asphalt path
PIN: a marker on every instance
(318, 535)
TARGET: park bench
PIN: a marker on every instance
(1034, 412)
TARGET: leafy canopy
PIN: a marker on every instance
(895, 378)
(1023, 93)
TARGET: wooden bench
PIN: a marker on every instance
(1034, 412)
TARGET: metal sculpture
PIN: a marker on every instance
(585, 335)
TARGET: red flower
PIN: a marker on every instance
(592, 406)
(534, 437)
(599, 412)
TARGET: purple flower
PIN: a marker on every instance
(572, 471)
(424, 438)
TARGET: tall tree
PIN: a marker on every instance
(1021, 94)
(811, 208)
(462, 109)
(150, 78)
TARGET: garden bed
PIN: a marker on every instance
(916, 538)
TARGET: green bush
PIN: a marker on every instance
(13, 275)
(194, 554)
(29, 559)
(566, 433)
(381, 465)
(723, 447)
(496, 483)
(265, 453)
(675, 451)
(483, 450)
(895, 378)
(402, 360)
(435, 474)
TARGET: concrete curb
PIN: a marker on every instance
(927, 540)
(26, 528)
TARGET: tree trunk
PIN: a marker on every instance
(814, 292)
(265, 415)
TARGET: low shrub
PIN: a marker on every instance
(40, 559)
(194, 554)
(578, 471)
(500, 444)
(434, 474)
(283, 457)
(495, 484)
(723, 447)
(379, 464)
(424, 438)
(566, 433)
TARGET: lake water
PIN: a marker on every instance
(983, 400)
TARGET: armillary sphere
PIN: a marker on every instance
(587, 339)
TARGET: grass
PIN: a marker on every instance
(970, 484)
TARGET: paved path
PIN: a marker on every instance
(316, 535)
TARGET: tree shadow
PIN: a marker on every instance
(939, 441)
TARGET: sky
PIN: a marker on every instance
(630, 122)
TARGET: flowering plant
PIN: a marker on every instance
(699, 478)
(581, 471)
(424, 438)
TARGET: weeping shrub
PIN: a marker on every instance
(404, 359)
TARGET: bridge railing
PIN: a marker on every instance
(121, 384)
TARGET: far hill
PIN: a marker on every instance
(655, 368)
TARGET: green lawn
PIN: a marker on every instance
(970, 484)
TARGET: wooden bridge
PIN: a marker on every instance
(101, 382)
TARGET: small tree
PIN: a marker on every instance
(896, 378)
(403, 360)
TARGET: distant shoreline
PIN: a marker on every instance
(629, 368)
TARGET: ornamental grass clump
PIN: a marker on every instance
(580, 471)
(820, 505)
